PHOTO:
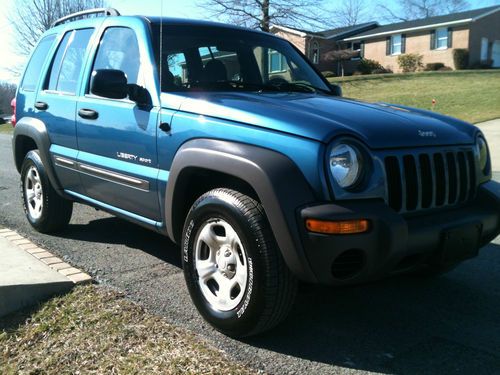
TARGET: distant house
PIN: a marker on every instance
(434, 38)
(317, 45)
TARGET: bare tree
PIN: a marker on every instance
(33, 17)
(261, 14)
(350, 12)
(406, 10)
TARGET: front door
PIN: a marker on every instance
(117, 138)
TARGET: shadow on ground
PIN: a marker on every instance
(405, 325)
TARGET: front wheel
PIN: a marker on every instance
(45, 210)
(234, 271)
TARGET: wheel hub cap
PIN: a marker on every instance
(221, 264)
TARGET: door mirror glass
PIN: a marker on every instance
(109, 83)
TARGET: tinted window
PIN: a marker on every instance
(210, 58)
(34, 67)
(119, 50)
(68, 62)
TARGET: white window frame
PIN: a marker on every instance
(283, 63)
(400, 44)
(356, 50)
(442, 30)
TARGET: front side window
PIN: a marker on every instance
(442, 38)
(396, 44)
(217, 59)
(68, 62)
(34, 68)
(119, 49)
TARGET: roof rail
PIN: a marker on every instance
(78, 15)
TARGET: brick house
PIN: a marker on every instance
(434, 38)
(316, 45)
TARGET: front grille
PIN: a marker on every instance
(420, 181)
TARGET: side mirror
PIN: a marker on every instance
(336, 89)
(109, 83)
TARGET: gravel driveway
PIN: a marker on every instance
(406, 325)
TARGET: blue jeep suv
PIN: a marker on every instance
(229, 142)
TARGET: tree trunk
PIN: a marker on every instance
(264, 23)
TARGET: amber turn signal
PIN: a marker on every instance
(337, 227)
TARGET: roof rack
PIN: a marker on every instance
(79, 15)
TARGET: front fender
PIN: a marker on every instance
(278, 182)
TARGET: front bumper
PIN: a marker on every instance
(397, 243)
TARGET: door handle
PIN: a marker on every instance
(165, 126)
(42, 106)
(89, 114)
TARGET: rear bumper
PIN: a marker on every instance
(396, 243)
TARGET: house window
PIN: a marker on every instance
(484, 49)
(315, 53)
(441, 38)
(277, 62)
(356, 47)
(396, 44)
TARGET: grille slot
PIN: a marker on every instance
(429, 180)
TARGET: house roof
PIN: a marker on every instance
(337, 33)
(426, 23)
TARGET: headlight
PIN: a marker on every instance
(345, 165)
(482, 154)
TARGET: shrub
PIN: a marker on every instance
(433, 66)
(328, 74)
(461, 58)
(410, 62)
(381, 71)
(367, 66)
(445, 69)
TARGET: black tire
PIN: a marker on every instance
(270, 288)
(55, 212)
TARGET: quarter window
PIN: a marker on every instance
(34, 68)
(396, 44)
(68, 61)
(442, 38)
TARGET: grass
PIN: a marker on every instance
(6, 128)
(472, 95)
(95, 330)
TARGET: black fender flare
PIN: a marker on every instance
(37, 131)
(278, 182)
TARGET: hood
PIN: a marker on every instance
(322, 118)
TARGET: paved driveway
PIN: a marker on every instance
(448, 325)
(491, 130)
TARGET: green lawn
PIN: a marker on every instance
(472, 95)
(6, 128)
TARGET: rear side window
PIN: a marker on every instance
(68, 61)
(34, 68)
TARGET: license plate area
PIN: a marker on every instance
(460, 243)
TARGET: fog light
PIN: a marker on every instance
(337, 227)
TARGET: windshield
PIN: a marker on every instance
(204, 58)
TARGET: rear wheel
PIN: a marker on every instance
(234, 271)
(45, 210)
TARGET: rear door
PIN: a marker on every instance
(118, 158)
(56, 103)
